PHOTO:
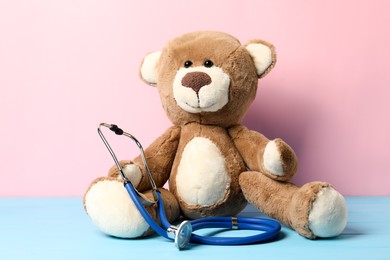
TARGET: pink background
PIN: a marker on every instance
(67, 65)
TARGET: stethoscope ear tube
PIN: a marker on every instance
(152, 223)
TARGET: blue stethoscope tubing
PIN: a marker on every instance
(184, 233)
(270, 227)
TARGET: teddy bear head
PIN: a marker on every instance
(207, 77)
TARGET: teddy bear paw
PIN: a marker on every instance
(328, 215)
(279, 160)
(272, 159)
(111, 209)
(132, 173)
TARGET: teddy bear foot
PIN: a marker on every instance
(111, 209)
(328, 215)
(318, 210)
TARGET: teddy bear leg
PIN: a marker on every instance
(318, 210)
(111, 209)
(313, 210)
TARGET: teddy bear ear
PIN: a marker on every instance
(263, 55)
(148, 70)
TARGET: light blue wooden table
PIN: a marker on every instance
(58, 228)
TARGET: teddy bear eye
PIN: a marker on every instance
(208, 63)
(187, 63)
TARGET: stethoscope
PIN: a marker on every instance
(184, 233)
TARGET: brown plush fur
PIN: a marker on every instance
(234, 200)
(241, 148)
(227, 53)
(159, 155)
(252, 145)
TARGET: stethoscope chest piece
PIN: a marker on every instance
(180, 234)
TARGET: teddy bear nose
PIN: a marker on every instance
(196, 80)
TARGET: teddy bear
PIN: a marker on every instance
(207, 81)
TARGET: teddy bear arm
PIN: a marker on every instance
(159, 157)
(274, 158)
(250, 145)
